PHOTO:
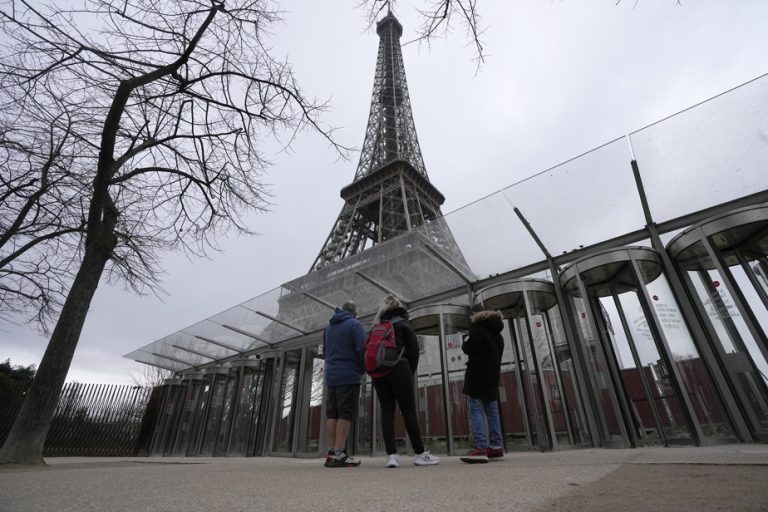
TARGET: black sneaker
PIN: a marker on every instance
(342, 461)
(328, 457)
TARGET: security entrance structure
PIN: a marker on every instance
(632, 281)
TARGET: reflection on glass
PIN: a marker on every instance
(191, 394)
(457, 360)
(537, 421)
(289, 383)
(164, 432)
(741, 357)
(657, 414)
(753, 300)
(214, 413)
(556, 368)
(514, 418)
(365, 416)
(696, 380)
(198, 423)
(246, 413)
(313, 398)
(222, 437)
(429, 398)
(599, 374)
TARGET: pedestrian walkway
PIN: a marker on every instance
(722, 478)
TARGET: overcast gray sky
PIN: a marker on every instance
(562, 77)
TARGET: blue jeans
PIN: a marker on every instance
(477, 419)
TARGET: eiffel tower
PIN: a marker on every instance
(391, 193)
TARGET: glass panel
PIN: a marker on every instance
(430, 401)
(543, 336)
(189, 405)
(247, 410)
(213, 414)
(198, 421)
(365, 417)
(696, 380)
(513, 246)
(570, 397)
(164, 431)
(580, 194)
(289, 383)
(648, 387)
(718, 145)
(210, 330)
(313, 397)
(222, 436)
(408, 267)
(535, 412)
(457, 365)
(737, 349)
(600, 377)
(514, 419)
(758, 309)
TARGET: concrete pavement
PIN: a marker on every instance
(722, 478)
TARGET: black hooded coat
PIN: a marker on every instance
(484, 346)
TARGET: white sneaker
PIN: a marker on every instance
(393, 461)
(425, 459)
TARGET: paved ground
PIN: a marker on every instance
(722, 478)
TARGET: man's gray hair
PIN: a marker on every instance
(350, 306)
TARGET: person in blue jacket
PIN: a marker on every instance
(343, 342)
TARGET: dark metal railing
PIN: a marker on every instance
(91, 420)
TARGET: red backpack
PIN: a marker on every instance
(380, 351)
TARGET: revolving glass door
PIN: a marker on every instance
(540, 405)
(724, 264)
(646, 374)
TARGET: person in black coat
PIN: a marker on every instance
(397, 386)
(484, 345)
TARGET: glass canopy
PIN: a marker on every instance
(691, 165)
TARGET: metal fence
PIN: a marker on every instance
(92, 419)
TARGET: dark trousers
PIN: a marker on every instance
(398, 387)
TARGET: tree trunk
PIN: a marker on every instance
(24, 444)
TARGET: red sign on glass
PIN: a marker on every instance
(583, 315)
(655, 297)
(716, 283)
(538, 324)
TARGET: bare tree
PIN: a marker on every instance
(153, 113)
(150, 376)
(41, 211)
(439, 18)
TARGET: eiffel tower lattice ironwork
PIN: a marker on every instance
(391, 193)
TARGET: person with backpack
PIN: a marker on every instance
(343, 342)
(393, 378)
(484, 345)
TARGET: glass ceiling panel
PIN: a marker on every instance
(143, 356)
(707, 155)
(154, 355)
(185, 342)
(214, 331)
(491, 237)
(699, 158)
(406, 266)
(583, 201)
(241, 320)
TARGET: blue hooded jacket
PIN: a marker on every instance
(343, 347)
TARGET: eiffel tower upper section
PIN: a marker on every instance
(391, 193)
(391, 132)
